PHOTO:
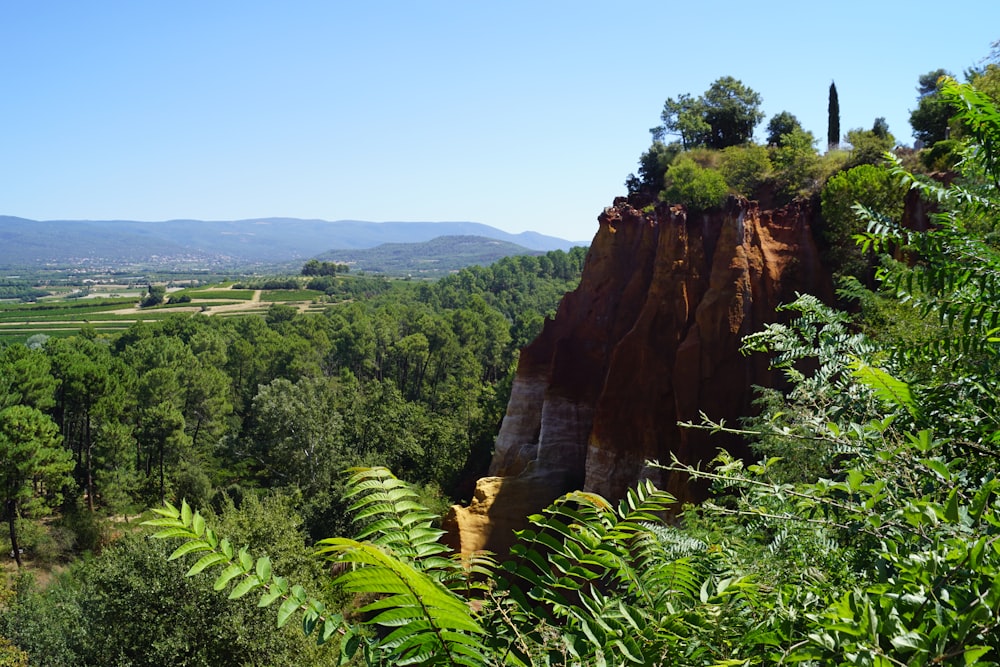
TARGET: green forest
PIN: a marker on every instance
(268, 490)
(253, 419)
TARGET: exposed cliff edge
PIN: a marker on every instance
(650, 337)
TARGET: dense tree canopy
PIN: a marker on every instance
(725, 115)
(225, 411)
(715, 131)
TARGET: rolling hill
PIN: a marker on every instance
(437, 256)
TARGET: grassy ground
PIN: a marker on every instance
(284, 296)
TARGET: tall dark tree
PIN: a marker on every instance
(881, 128)
(833, 122)
(684, 118)
(927, 84)
(781, 124)
(930, 119)
(34, 469)
(732, 111)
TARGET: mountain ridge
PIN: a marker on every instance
(222, 243)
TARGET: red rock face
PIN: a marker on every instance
(650, 337)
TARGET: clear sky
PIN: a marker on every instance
(521, 115)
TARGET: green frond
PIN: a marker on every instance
(208, 560)
(402, 565)
(387, 512)
(190, 547)
(887, 388)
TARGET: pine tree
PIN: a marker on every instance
(34, 469)
(833, 125)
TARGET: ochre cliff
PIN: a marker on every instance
(650, 337)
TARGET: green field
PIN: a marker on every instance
(238, 294)
(65, 317)
(283, 296)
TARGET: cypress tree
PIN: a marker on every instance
(833, 125)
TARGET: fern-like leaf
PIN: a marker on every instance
(429, 620)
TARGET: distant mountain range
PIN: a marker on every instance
(185, 244)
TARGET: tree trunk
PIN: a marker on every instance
(194, 436)
(11, 520)
(138, 449)
(89, 472)
(162, 491)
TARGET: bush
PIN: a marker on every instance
(832, 162)
(11, 656)
(46, 625)
(869, 185)
(154, 296)
(653, 165)
(796, 165)
(942, 156)
(140, 609)
(322, 283)
(44, 544)
(869, 146)
(706, 158)
(36, 341)
(84, 530)
(745, 168)
(693, 186)
(192, 483)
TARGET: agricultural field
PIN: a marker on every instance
(112, 309)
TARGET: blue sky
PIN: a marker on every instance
(520, 115)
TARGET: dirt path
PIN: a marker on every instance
(253, 304)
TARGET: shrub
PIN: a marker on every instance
(154, 296)
(706, 158)
(693, 186)
(869, 146)
(745, 168)
(942, 156)
(653, 165)
(11, 656)
(869, 185)
(830, 163)
(796, 164)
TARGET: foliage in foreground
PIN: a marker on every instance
(130, 606)
(588, 583)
